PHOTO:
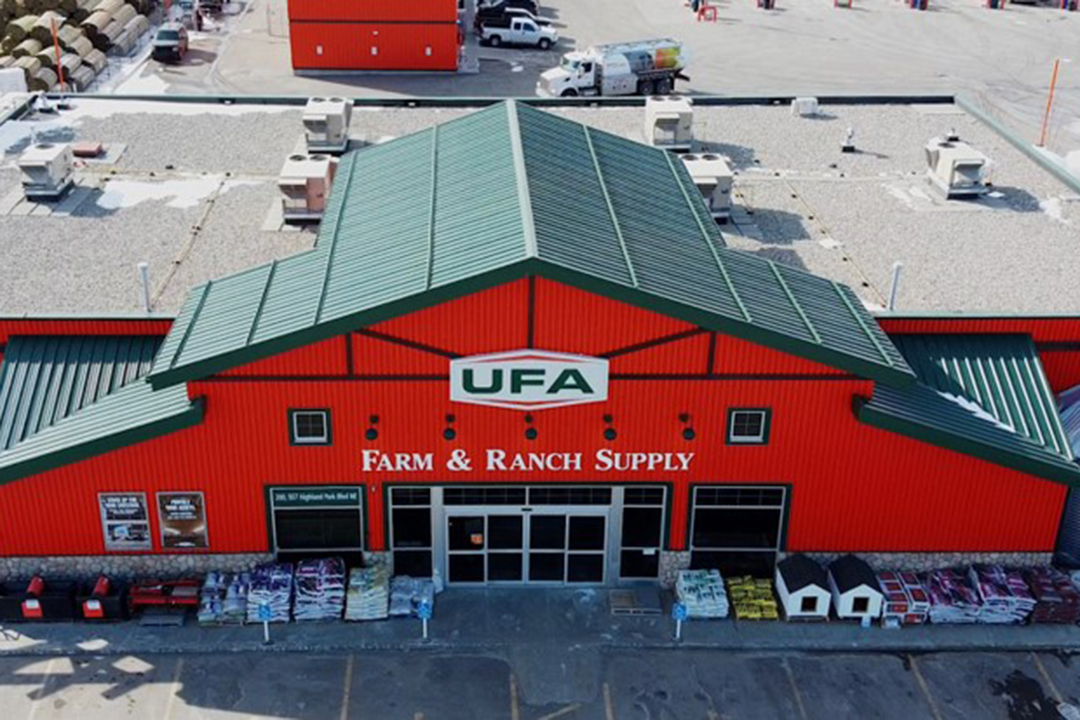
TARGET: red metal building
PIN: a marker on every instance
(368, 35)
(545, 368)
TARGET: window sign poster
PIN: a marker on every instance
(183, 520)
(125, 521)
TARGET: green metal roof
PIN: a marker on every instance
(507, 192)
(45, 379)
(65, 399)
(981, 395)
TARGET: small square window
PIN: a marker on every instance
(309, 427)
(809, 605)
(860, 605)
(748, 427)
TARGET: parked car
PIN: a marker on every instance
(170, 43)
(514, 30)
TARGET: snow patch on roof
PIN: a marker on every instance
(180, 194)
(975, 409)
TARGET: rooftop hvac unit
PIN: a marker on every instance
(713, 178)
(326, 124)
(47, 172)
(804, 106)
(956, 167)
(305, 182)
(669, 122)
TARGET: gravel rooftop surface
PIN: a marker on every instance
(799, 200)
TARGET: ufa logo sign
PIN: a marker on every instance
(528, 379)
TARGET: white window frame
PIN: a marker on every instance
(324, 439)
(760, 439)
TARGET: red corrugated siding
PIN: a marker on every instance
(494, 320)
(735, 356)
(428, 11)
(688, 355)
(324, 358)
(572, 320)
(1058, 339)
(37, 326)
(348, 46)
(1042, 329)
(853, 487)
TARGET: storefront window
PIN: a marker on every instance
(317, 518)
(736, 529)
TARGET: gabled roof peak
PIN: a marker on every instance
(503, 193)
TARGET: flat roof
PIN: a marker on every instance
(189, 187)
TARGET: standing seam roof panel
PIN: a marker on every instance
(561, 175)
(45, 379)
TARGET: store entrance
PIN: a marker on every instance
(538, 535)
(530, 547)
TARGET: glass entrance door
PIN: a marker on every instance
(526, 547)
(485, 548)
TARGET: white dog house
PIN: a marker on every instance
(803, 588)
(855, 590)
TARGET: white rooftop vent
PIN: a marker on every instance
(305, 182)
(804, 106)
(958, 169)
(47, 172)
(326, 124)
(669, 122)
(713, 177)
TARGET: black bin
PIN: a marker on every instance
(91, 604)
(11, 601)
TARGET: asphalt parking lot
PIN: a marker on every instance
(542, 683)
(1001, 59)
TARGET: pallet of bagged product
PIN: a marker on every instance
(368, 596)
(953, 598)
(1057, 599)
(905, 599)
(223, 599)
(752, 598)
(1006, 598)
(702, 593)
(271, 586)
(320, 589)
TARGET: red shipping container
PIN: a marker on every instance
(374, 46)
(425, 11)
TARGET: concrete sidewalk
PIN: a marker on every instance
(496, 620)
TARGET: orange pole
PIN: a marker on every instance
(56, 47)
(1049, 104)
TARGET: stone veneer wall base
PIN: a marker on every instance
(88, 567)
(924, 562)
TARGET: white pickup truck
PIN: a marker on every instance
(514, 30)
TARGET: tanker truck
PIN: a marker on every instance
(646, 67)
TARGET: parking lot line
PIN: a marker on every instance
(561, 712)
(795, 690)
(924, 687)
(609, 708)
(347, 692)
(1046, 676)
(174, 688)
(515, 710)
(39, 694)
